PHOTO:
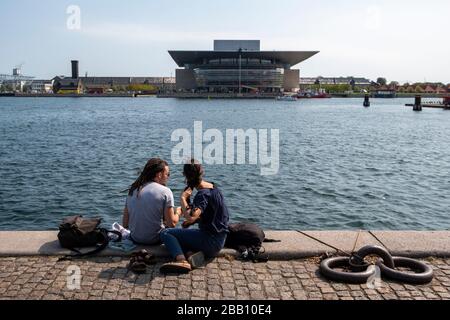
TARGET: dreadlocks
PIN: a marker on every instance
(152, 168)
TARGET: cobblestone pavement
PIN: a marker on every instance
(108, 278)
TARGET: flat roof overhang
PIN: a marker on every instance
(292, 58)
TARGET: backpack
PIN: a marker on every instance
(247, 239)
(77, 232)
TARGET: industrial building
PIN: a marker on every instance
(101, 85)
(353, 81)
(16, 81)
(238, 67)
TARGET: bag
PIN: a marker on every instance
(77, 232)
(247, 239)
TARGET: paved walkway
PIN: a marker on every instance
(107, 278)
(29, 270)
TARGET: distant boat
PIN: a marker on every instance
(287, 98)
(307, 95)
(388, 94)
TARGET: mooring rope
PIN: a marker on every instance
(356, 241)
(381, 242)
(324, 243)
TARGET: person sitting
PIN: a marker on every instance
(149, 206)
(209, 211)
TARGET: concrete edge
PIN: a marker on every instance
(293, 245)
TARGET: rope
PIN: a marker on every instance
(324, 243)
(373, 235)
(356, 241)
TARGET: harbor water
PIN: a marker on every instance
(342, 166)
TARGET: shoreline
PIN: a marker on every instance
(209, 96)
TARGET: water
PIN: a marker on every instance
(341, 166)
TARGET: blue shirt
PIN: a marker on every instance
(215, 216)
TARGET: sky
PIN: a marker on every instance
(405, 41)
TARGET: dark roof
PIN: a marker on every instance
(106, 80)
(68, 83)
(196, 57)
(124, 81)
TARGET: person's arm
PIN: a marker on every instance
(185, 196)
(171, 218)
(126, 218)
(193, 215)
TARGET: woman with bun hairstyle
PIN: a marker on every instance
(189, 246)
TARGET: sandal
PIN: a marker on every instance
(137, 265)
(147, 257)
(176, 267)
(196, 260)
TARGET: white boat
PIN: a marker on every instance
(287, 98)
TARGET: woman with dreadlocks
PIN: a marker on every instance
(209, 211)
(149, 206)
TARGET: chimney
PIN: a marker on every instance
(74, 69)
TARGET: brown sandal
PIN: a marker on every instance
(137, 265)
(148, 258)
(176, 267)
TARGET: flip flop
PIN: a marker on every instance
(197, 260)
(176, 267)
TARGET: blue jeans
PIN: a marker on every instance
(180, 241)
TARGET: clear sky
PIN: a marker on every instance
(401, 40)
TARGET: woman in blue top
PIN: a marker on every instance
(209, 211)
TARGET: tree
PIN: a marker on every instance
(6, 88)
(26, 88)
(382, 81)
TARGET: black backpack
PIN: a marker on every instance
(247, 239)
(77, 232)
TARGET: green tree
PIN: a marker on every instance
(382, 81)
(143, 88)
(7, 88)
(394, 84)
(26, 88)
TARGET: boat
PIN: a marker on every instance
(287, 98)
(313, 95)
(321, 96)
(385, 94)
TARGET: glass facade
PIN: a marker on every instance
(232, 78)
(230, 74)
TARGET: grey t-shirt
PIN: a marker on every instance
(147, 212)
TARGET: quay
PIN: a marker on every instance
(418, 105)
(29, 269)
(198, 95)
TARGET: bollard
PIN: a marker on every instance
(366, 101)
(418, 104)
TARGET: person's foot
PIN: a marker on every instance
(176, 267)
(196, 260)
